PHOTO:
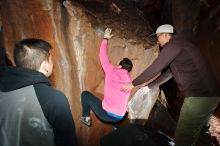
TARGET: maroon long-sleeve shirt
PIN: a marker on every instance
(183, 61)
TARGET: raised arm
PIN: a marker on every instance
(106, 65)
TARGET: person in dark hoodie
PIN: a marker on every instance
(182, 60)
(32, 113)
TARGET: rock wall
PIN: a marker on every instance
(75, 42)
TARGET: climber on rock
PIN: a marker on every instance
(113, 107)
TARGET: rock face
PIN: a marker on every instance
(75, 40)
(75, 31)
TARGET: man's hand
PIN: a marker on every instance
(108, 34)
(127, 87)
(144, 90)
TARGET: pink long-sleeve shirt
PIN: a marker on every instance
(115, 100)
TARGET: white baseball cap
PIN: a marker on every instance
(166, 28)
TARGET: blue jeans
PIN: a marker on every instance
(91, 102)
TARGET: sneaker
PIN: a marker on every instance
(86, 122)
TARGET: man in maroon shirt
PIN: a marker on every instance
(183, 61)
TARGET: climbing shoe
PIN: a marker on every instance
(87, 121)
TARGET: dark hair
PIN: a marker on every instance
(126, 64)
(30, 53)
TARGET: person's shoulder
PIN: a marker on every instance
(48, 88)
(121, 75)
(175, 42)
(43, 90)
(181, 38)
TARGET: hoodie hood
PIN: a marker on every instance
(15, 77)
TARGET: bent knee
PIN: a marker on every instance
(85, 94)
